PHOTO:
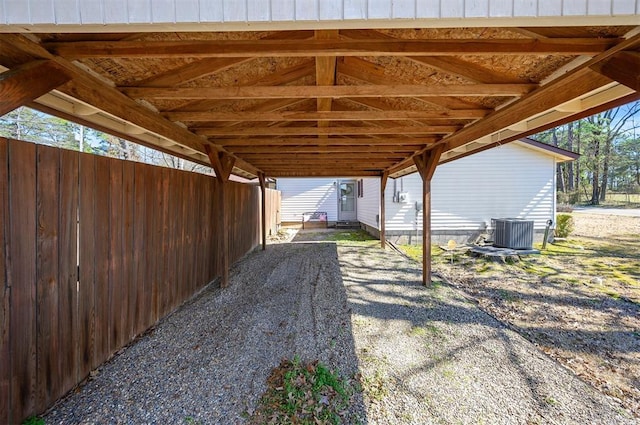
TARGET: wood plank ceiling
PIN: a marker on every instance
(332, 102)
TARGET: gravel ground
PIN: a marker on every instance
(425, 355)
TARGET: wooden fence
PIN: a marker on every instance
(273, 203)
(93, 251)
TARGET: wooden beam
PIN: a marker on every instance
(383, 185)
(263, 209)
(427, 163)
(449, 65)
(570, 86)
(378, 164)
(92, 90)
(315, 131)
(334, 141)
(326, 115)
(368, 72)
(27, 82)
(560, 91)
(325, 72)
(331, 173)
(332, 48)
(623, 67)
(221, 162)
(284, 76)
(205, 67)
(297, 92)
(323, 149)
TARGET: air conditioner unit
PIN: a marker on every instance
(514, 233)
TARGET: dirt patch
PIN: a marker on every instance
(578, 302)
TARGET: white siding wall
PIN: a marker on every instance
(302, 195)
(25, 12)
(509, 181)
(369, 204)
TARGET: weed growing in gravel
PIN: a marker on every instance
(424, 330)
(33, 420)
(305, 393)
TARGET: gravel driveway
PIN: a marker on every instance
(426, 356)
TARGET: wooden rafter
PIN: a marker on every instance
(199, 69)
(327, 115)
(623, 67)
(284, 76)
(261, 92)
(572, 85)
(450, 65)
(330, 47)
(315, 131)
(369, 73)
(299, 141)
(325, 73)
(22, 84)
(354, 149)
(94, 91)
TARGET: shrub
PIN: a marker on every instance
(564, 208)
(564, 225)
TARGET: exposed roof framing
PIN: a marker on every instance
(347, 102)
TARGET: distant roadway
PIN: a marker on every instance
(628, 212)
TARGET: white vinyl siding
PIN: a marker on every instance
(509, 181)
(369, 204)
(300, 195)
(87, 12)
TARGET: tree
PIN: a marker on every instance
(604, 144)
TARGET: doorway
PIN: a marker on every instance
(347, 200)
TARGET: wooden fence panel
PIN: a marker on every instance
(5, 294)
(102, 243)
(86, 280)
(22, 278)
(68, 270)
(47, 284)
(94, 251)
(128, 251)
(116, 260)
(141, 314)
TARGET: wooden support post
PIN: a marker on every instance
(383, 186)
(427, 163)
(263, 213)
(27, 82)
(222, 164)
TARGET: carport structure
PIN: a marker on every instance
(314, 88)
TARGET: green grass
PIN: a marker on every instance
(616, 261)
(304, 393)
(351, 236)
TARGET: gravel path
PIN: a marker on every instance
(425, 355)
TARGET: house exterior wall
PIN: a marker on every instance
(380, 12)
(509, 181)
(369, 203)
(300, 195)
